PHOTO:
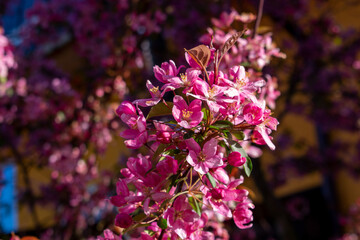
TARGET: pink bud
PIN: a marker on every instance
(123, 220)
(235, 159)
(217, 193)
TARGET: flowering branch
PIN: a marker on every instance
(183, 180)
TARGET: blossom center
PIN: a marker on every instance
(178, 215)
(240, 83)
(186, 114)
(154, 89)
(211, 92)
(185, 79)
(201, 157)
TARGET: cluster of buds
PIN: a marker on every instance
(194, 142)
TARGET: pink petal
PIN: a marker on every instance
(180, 102)
(146, 206)
(201, 168)
(215, 161)
(192, 158)
(210, 148)
(160, 196)
(176, 112)
(195, 106)
(193, 145)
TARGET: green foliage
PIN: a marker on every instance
(160, 109)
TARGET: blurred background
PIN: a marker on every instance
(68, 64)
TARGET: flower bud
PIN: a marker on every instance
(235, 159)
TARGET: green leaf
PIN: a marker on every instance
(160, 109)
(214, 127)
(238, 134)
(171, 152)
(222, 124)
(248, 166)
(211, 179)
(139, 216)
(172, 179)
(205, 111)
(195, 205)
(162, 223)
(227, 134)
(245, 64)
(149, 232)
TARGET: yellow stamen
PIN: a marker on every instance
(240, 83)
(183, 77)
(211, 92)
(186, 114)
(201, 157)
(154, 89)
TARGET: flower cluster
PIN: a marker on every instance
(7, 60)
(194, 140)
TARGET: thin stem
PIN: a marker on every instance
(191, 173)
(193, 186)
(258, 17)
(147, 145)
(161, 234)
(166, 104)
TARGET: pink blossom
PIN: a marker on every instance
(166, 72)
(187, 116)
(214, 95)
(254, 113)
(163, 132)
(243, 215)
(185, 81)
(216, 199)
(180, 217)
(127, 112)
(137, 135)
(271, 93)
(156, 96)
(261, 136)
(245, 17)
(139, 165)
(225, 20)
(149, 193)
(203, 159)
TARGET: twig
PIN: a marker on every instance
(258, 17)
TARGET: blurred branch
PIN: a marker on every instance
(258, 17)
(29, 195)
(272, 204)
